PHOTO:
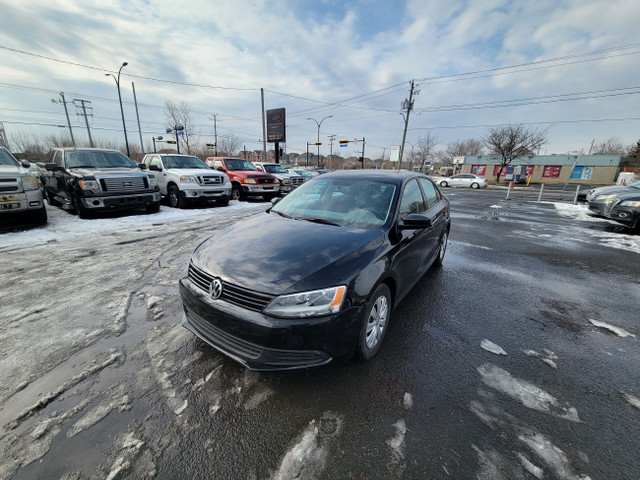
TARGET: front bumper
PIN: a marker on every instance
(218, 193)
(625, 215)
(116, 202)
(261, 342)
(598, 208)
(255, 190)
(21, 202)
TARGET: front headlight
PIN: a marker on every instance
(30, 182)
(89, 185)
(630, 203)
(249, 180)
(604, 197)
(286, 181)
(307, 304)
(188, 179)
(153, 182)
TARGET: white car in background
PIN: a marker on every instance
(463, 180)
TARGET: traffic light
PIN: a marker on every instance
(361, 159)
(173, 142)
(318, 143)
(344, 142)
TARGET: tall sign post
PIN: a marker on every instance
(276, 129)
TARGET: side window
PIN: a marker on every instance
(155, 160)
(412, 201)
(430, 193)
(57, 159)
(217, 164)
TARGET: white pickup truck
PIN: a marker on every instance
(184, 178)
(20, 190)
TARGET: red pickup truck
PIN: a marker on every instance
(246, 179)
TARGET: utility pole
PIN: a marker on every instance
(138, 116)
(214, 117)
(408, 106)
(331, 139)
(264, 129)
(84, 112)
(64, 102)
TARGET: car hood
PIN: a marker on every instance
(8, 170)
(193, 171)
(632, 194)
(99, 172)
(614, 189)
(270, 253)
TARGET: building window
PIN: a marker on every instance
(479, 170)
(551, 171)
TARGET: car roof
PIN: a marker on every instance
(391, 176)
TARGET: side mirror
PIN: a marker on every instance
(155, 168)
(50, 167)
(142, 166)
(415, 221)
(25, 164)
(221, 169)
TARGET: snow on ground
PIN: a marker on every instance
(63, 225)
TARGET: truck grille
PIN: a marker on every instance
(210, 180)
(262, 180)
(9, 184)
(124, 184)
(240, 296)
(297, 181)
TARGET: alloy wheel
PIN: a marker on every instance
(377, 321)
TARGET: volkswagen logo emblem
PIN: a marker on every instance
(215, 288)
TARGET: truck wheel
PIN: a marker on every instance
(155, 208)
(223, 202)
(81, 210)
(50, 199)
(175, 200)
(40, 216)
(236, 193)
(269, 196)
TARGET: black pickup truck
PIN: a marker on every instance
(90, 180)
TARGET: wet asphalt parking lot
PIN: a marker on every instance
(517, 359)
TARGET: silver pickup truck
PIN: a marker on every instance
(20, 191)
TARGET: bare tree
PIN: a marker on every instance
(511, 141)
(460, 148)
(179, 114)
(611, 146)
(424, 149)
(228, 144)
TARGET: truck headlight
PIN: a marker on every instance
(30, 182)
(188, 179)
(307, 304)
(286, 181)
(249, 180)
(153, 182)
(89, 185)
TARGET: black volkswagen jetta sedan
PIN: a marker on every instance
(314, 278)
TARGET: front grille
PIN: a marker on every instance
(210, 180)
(297, 180)
(221, 338)
(9, 184)
(124, 184)
(261, 179)
(240, 296)
(5, 188)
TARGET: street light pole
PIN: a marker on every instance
(124, 128)
(154, 142)
(319, 123)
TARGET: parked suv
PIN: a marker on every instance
(20, 190)
(288, 181)
(246, 179)
(184, 178)
(89, 180)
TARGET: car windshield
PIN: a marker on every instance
(239, 164)
(274, 169)
(341, 201)
(635, 184)
(179, 161)
(7, 159)
(303, 173)
(94, 159)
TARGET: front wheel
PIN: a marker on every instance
(443, 184)
(82, 211)
(269, 196)
(223, 202)
(40, 216)
(155, 208)
(236, 193)
(374, 323)
(175, 199)
(442, 249)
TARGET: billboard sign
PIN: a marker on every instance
(394, 154)
(276, 131)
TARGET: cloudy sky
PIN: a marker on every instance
(572, 66)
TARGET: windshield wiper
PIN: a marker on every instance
(82, 166)
(281, 214)
(320, 220)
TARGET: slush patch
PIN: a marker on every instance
(492, 347)
(617, 330)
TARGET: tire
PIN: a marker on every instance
(269, 196)
(236, 193)
(374, 323)
(155, 208)
(50, 200)
(39, 217)
(82, 211)
(475, 185)
(443, 184)
(442, 247)
(222, 202)
(175, 199)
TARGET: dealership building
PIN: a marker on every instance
(577, 169)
